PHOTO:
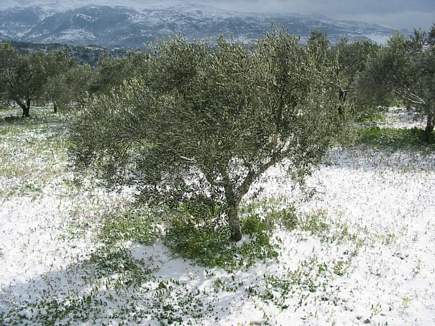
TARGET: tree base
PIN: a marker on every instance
(236, 236)
(429, 128)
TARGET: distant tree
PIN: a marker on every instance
(23, 77)
(431, 37)
(319, 43)
(202, 124)
(352, 60)
(405, 69)
(7, 56)
(112, 72)
(57, 64)
(71, 87)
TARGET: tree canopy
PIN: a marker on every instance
(24, 76)
(202, 124)
(404, 68)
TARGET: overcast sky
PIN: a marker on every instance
(393, 13)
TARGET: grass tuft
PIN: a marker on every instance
(210, 246)
(133, 225)
(395, 139)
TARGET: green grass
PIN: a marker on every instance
(134, 225)
(311, 276)
(315, 223)
(108, 261)
(210, 246)
(109, 271)
(54, 310)
(395, 139)
(285, 217)
(373, 117)
(280, 214)
(32, 152)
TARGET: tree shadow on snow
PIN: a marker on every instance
(137, 284)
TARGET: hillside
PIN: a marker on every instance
(132, 25)
(81, 54)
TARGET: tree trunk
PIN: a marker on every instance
(429, 126)
(342, 95)
(54, 107)
(25, 107)
(26, 111)
(232, 207)
(234, 222)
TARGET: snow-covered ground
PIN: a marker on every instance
(375, 264)
(398, 117)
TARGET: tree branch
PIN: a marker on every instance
(410, 96)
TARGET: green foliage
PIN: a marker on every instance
(107, 262)
(340, 268)
(286, 217)
(352, 58)
(405, 70)
(253, 226)
(112, 72)
(385, 72)
(209, 245)
(203, 122)
(395, 138)
(69, 88)
(315, 223)
(134, 225)
(23, 77)
(50, 310)
(311, 276)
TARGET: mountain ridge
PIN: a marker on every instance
(131, 27)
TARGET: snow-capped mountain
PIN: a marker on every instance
(132, 23)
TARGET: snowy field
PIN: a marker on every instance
(372, 261)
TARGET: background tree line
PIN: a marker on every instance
(56, 77)
(369, 75)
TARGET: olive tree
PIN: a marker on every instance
(203, 124)
(404, 69)
(112, 72)
(352, 60)
(23, 77)
(7, 56)
(70, 88)
(57, 66)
